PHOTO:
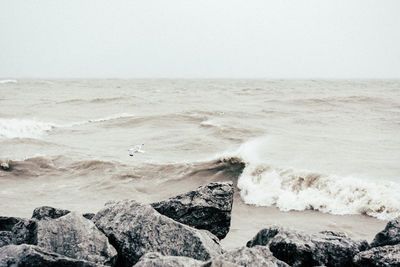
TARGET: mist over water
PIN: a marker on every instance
(330, 146)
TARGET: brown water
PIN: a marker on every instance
(309, 149)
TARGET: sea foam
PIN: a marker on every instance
(23, 128)
(262, 184)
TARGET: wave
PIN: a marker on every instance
(8, 81)
(262, 184)
(23, 128)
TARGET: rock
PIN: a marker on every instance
(5, 166)
(5, 238)
(71, 235)
(7, 223)
(301, 249)
(47, 212)
(88, 216)
(32, 256)
(135, 229)
(76, 237)
(208, 207)
(388, 236)
(154, 259)
(257, 256)
(220, 263)
(379, 256)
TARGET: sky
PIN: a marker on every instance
(340, 39)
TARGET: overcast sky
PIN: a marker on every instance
(200, 39)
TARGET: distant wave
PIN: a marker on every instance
(8, 81)
(265, 185)
(23, 128)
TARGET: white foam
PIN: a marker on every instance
(266, 185)
(23, 128)
(8, 81)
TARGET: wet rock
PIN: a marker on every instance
(388, 236)
(24, 232)
(5, 238)
(379, 256)
(47, 212)
(208, 207)
(154, 259)
(257, 256)
(300, 249)
(5, 166)
(32, 256)
(88, 216)
(7, 223)
(136, 229)
(76, 237)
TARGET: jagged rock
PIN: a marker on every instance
(388, 236)
(220, 263)
(76, 237)
(33, 256)
(135, 229)
(88, 216)
(301, 249)
(154, 259)
(5, 238)
(7, 223)
(208, 207)
(47, 212)
(379, 256)
(257, 256)
(71, 235)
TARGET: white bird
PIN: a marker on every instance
(136, 149)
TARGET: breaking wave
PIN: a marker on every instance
(262, 184)
(23, 128)
(8, 81)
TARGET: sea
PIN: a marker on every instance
(314, 154)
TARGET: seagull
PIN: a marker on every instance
(136, 149)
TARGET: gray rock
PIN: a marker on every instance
(76, 237)
(379, 256)
(208, 207)
(5, 238)
(301, 249)
(7, 223)
(47, 212)
(257, 256)
(135, 229)
(220, 263)
(154, 259)
(88, 216)
(33, 256)
(71, 235)
(388, 236)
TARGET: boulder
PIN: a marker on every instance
(32, 256)
(379, 256)
(5, 238)
(301, 249)
(88, 216)
(388, 236)
(154, 259)
(47, 212)
(221, 263)
(208, 207)
(7, 223)
(135, 229)
(257, 256)
(71, 235)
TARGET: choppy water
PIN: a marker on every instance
(331, 146)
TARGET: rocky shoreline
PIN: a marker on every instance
(181, 231)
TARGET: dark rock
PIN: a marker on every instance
(154, 259)
(208, 207)
(24, 232)
(88, 216)
(7, 223)
(379, 256)
(47, 212)
(33, 256)
(5, 238)
(301, 249)
(257, 256)
(76, 237)
(5, 166)
(135, 229)
(388, 236)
